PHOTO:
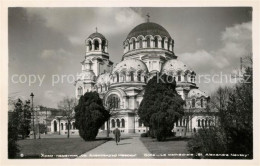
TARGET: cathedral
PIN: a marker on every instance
(148, 49)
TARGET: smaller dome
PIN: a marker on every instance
(196, 93)
(87, 75)
(175, 65)
(130, 65)
(98, 35)
(103, 78)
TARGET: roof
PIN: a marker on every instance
(175, 65)
(98, 35)
(196, 93)
(148, 28)
(130, 65)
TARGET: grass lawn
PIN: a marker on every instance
(167, 149)
(31, 148)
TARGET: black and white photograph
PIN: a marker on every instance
(130, 83)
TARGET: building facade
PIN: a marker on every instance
(148, 49)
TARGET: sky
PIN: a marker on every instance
(46, 45)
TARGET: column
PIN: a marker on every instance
(159, 43)
(99, 48)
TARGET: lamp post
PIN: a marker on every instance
(34, 136)
(38, 119)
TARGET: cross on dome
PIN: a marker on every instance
(148, 17)
(96, 29)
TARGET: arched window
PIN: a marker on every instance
(156, 42)
(184, 122)
(103, 45)
(123, 123)
(179, 77)
(145, 79)
(90, 45)
(193, 103)
(133, 44)
(117, 123)
(80, 90)
(128, 46)
(199, 123)
(206, 123)
(201, 103)
(132, 76)
(139, 123)
(96, 45)
(192, 78)
(202, 122)
(180, 122)
(140, 43)
(113, 101)
(163, 42)
(61, 125)
(148, 42)
(55, 126)
(116, 78)
(113, 123)
(139, 76)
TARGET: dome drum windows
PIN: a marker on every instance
(204, 123)
(113, 101)
(193, 103)
(96, 45)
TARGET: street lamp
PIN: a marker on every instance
(34, 136)
(38, 119)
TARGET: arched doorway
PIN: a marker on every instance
(55, 126)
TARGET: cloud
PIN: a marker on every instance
(51, 54)
(236, 43)
(53, 97)
(108, 20)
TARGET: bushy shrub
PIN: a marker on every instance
(144, 135)
(90, 115)
(13, 148)
(208, 140)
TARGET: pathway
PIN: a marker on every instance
(130, 146)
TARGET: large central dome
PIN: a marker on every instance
(148, 28)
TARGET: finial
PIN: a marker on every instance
(96, 29)
(148, 17)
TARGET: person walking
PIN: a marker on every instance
(117, 135)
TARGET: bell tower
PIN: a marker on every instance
(97, 53)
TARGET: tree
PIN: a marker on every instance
(90, 115)
(161, 106)
(235, 125)
(24, 117)
(67, 106)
